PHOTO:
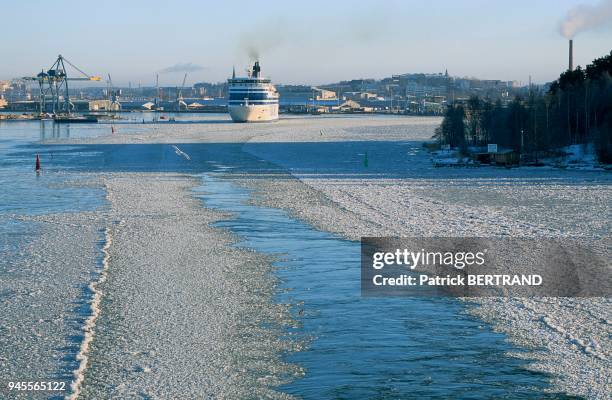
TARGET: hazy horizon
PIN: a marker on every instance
(310, 43)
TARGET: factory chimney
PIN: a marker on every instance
(571, 55)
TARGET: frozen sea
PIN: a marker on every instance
(318, 337)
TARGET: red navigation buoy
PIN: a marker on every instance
(37, 163)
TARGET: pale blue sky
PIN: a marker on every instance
(310, 42)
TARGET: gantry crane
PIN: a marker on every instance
(54, 81)
(113, 96)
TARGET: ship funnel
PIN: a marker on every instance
(256, 69)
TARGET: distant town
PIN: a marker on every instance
(410, 93)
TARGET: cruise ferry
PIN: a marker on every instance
(252, 98)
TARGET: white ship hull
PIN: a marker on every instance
(254, 113)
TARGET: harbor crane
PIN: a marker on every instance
(113, 96)
(180, 102)
(54, 82)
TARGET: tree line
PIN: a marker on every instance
(576, 109)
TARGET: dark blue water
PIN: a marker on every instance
(363, 347)
(54, 190)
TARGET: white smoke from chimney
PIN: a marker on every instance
(585, 17)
